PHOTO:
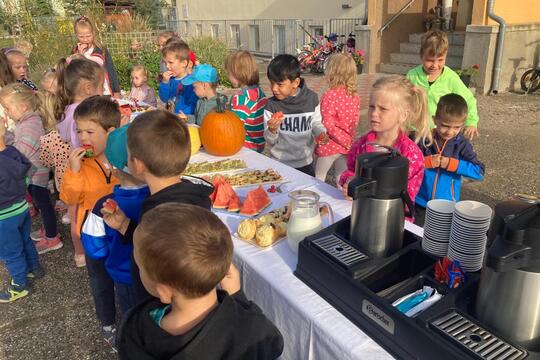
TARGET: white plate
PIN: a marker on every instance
(474, 209)
(441, 206)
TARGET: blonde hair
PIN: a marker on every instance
(411, 99)
(50, 73)
(434, 43)
(341, 72)
(21, 94)
(243, 66)
(84, 21)
(141, 68)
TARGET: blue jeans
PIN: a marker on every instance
(17, 250)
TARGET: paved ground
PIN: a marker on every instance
(58, 322)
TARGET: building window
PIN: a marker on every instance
(235, 36)
(215, 30)
(255, 40)
(198, 30)
(279, 39)
(185, 13)
(317, 31)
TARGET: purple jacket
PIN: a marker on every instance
(67, 127)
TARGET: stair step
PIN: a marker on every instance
(454, 38)
(414, 59)
(395, 68)
(414, 48)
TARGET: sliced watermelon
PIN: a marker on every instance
(256, 201)
(234, 203)
(222, 198)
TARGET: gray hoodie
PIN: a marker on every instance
(294, 142)
(204, 106)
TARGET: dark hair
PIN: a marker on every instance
(6, 76)
(192, 258)
(451, 107)
(283, 67)
(99, 109)
(178, 47)
(161, 142)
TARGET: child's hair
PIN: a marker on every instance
(140, 68)
(452, 107)
(48, 74)
(6, 76)
(84, 21)
(283, 67)
(161, 142)
(341, 71)
(167, 34)
(177, 47)
(411, 99)
(17, 94)
(243, 66)
(434, 43)
(99, 109)
(192, 258)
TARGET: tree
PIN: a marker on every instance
(150, 9)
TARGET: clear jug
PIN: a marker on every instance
(305, 217)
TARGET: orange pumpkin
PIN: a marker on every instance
(222, 132)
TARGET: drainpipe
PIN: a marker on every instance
(499, 48)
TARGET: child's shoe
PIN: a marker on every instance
(65, 219)
(48, 244)
(80, 260)
(38, 235)
(60, 206)
(13, 292)
(109, 335)
(33, 210)
(36, 273)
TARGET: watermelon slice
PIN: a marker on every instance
(216, 181)
(222, 198)
(110, 206)
(234, 204)
(89, 150)
(256, 201)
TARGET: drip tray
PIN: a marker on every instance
(476, 339)
(337, 249)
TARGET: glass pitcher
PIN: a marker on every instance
(305, 217)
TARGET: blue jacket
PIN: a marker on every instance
(446, 184)
(13, 169)
(183, 96)
(102, 242)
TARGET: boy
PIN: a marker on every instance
(158, 150)
(191, 319)
(438, 80)
(204, 80)
(180, 98)
(17, 250)
(292, 118)
(450, 157)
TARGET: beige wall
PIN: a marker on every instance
(512, 11)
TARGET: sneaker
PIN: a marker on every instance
(109, 335)
(60, 206)
(36, 273)
(80, 260)
(37, 235)
(65, 219)
(13, 292)
(47, 244)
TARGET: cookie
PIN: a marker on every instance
(247, 229)
(265, 235)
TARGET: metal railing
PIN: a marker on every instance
(394, 17)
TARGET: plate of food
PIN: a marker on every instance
(213, 167)
(250, 178)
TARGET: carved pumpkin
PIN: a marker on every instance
(194, 138)
(222, 132)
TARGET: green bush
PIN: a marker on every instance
(212, 51)
(148, 56)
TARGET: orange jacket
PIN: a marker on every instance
(86, 187)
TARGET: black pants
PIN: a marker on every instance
(419, 215)
(42, 199)
(308, 169)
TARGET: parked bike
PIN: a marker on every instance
(530, 80)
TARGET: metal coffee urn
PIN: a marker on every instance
(509, 292)
(379, 192)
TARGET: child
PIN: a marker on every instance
(340, 110)
(159, 150)
(89, 178)
(179, 98)
(140, 91)
(6, 76)
(191, 318)
(48, 81)
(162, 40)
(19, 65)
(23, 106)
(89, 46)
(291, 136)
(249, 105)
(450, 157)
(395, 106)
(17, 250)
(438, 80)
(204, 80)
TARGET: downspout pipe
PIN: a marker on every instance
(499, 47)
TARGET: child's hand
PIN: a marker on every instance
(275, 121)
(322, 139)
(116, 220)
(436, 160)
(444, 162)
(124, 119)
(75, 159)
(345, 190)
(231, 282)
(167, 75)
(470, 132)
(182, 116)
(81, 48)
(3, 125)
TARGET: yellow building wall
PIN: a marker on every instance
(514, 12)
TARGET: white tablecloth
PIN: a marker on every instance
(312, 328)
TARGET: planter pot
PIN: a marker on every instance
(466, 79)
(359, 68)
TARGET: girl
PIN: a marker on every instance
(23, 105)
(140, 91)
(48, 81)
(340, 110)
(395, 106)
(249, 104)
(19, 65)
(6, 76)
(89, 46)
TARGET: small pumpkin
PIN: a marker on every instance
(194, 138)
(222, 132)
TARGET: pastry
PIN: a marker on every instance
(266, 219)
(247, 229)
(281, 229)
(215, 166)
(265, 235)
(252, 177)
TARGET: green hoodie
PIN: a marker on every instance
(448, 82)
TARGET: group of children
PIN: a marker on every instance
(179, 298)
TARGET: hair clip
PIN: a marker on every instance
(8, 50)
(82, 18)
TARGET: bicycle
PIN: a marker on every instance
(530, 80)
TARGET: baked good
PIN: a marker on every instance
(266, 219)
(281, 229)
(266, 235)
(247, 229)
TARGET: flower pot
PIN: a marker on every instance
(359, 68)
(466, 79)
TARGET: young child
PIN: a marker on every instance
(88, 45)
(19, 66)
(438, 80)
(249, 104)
(48, 81)
(191, 318)
(17, 250)
(292, 118)
(89, 175)
(340, 110)
(159, 150)
(395, 106)
(450, 157)
(179, 98)
(204, 79)
(162, 40)
(140, 90)
(23, 106)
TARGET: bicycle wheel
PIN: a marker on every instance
(530, 80)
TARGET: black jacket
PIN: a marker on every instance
(236, 329)
(13, 169)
